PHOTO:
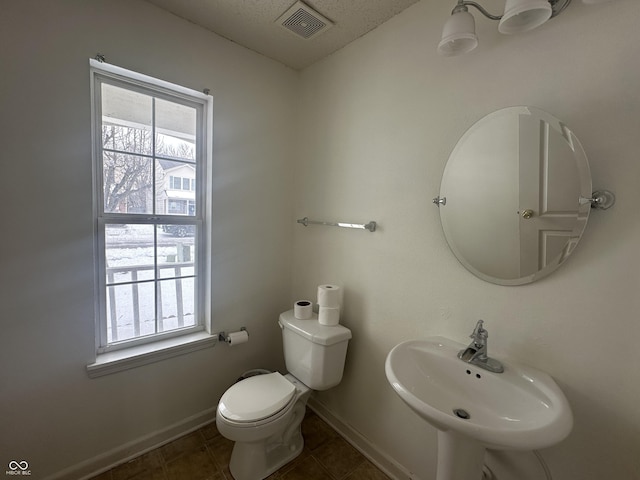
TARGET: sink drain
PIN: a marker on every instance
(460, 413)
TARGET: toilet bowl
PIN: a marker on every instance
(262, 414)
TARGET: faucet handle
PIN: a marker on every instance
(479, 331)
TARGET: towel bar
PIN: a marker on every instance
(371, 226)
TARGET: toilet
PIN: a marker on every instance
(262, 414)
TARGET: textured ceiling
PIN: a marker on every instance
(252, 24)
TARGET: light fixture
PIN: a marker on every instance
(459, 32)
(522, 15)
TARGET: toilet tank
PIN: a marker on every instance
(314, 353)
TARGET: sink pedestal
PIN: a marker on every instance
(459, 457)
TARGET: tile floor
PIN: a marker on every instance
(204, 455)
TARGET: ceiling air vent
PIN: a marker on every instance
(304, 21)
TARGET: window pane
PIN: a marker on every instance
(176, 129)
(130, 311)
(126, 120)
(171, 178)
(177, 304)
(128, 183)
(129, 252)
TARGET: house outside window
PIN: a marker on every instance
(151, 139)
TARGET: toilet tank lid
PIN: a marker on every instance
(313, 331)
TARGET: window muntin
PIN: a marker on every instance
(150, 241)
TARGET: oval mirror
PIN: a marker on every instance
(515, 185)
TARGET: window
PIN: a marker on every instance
(150, 138)
(180, 183)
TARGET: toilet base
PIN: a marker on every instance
(250, 461)
(258, 460)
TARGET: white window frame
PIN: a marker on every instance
(125, 354)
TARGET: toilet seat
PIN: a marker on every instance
(256, 398)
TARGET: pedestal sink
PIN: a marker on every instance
(474, 409)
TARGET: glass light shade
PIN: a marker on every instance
(522, 15)
(458, 35)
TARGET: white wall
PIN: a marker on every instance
(380, 119)
(51, 414)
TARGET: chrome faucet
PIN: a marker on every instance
(476, 352)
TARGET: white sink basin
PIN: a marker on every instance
(521, 408)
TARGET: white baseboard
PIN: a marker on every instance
(381, 460)
(106, 461)
(122, 454)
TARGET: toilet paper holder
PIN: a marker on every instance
(224, 336)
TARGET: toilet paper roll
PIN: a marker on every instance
(235, 338)
(329, 316)
(303, 309)
(329, 296)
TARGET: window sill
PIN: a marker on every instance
(125, 359)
